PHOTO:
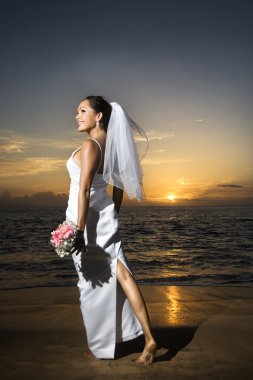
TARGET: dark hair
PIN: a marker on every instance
(99, 104)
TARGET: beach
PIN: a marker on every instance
(203, 332)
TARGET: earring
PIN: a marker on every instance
(97, 123)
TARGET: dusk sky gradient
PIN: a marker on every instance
(182, 69)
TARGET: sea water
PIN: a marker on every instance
(164, 245)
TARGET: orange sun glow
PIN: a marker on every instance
(171, 197)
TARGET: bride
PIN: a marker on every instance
(112, 306)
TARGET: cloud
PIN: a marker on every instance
(10, 142)
(55, 144)
(156, 151)
(191, 123)
(30, 166)
(154, 134)
(45, 198)
(224, 190)
(157, 161)
(230, 185)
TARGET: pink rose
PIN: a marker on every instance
(56, 238)
(66, 231)
(68, 234)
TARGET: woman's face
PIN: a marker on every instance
(86, 116)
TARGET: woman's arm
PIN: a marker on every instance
(89, 164)
(117, 197)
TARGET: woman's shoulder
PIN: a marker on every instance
(89, 146)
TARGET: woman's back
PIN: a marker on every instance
(99, 198)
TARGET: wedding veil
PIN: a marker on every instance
(122, 167)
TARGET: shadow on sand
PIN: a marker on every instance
(173, 339)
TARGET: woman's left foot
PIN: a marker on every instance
(148, 355)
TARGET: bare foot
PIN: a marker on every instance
(148, 355)
(89, 355)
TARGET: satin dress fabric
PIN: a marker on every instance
(107, 315)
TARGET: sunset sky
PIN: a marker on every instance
(182, 69)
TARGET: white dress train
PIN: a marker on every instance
(107, 315)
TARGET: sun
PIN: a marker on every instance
(171, 197)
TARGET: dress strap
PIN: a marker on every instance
(76, 150)
(101, 154)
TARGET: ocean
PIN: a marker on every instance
(164, 245)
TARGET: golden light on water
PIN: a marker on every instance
(173, 306)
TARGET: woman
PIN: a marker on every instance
(111, 303)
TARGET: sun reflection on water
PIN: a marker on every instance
(173, 306)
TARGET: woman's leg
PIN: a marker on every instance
(137, 303)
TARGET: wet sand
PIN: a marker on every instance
(202, 332)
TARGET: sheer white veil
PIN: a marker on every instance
(122, 167)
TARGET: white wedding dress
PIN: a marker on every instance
(107, 314)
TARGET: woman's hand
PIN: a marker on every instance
(79, 243)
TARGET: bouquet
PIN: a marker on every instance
(62, 238)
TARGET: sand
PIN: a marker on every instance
(202, 332)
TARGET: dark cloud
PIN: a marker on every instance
(41, 199)
(230, 185)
